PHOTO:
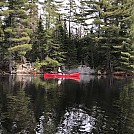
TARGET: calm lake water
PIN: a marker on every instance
(92, 105)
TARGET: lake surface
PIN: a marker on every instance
(91, 105)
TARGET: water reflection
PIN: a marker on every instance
(16, 114)
(40, 126)
(86, 78)
(76, 120)
(24, 80)
(30, 104)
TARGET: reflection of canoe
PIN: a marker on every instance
(69, 76)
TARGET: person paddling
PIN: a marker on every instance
(59, 70)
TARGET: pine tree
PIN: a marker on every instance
(124, 33)
(1, 41)
(131, 39)
(17, 29)
(111, 27)
(38, 51)
(33, 14)
(52, 47)
(2, 48)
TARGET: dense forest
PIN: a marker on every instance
(96, 33)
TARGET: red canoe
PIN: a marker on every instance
(69, 76)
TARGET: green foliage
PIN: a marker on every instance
(1, 32)
(47, 64)
(126, 54)
(17, 28)
(20, 115)
(21, 39)
(23, 47)
(106, 42)
(37, 64)
(50, 62)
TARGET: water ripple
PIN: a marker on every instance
(76, 120)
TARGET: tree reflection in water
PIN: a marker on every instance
(76, 120)
(17, 116)
(34, 105)
(19, 113)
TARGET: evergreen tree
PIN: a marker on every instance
(69, 38)
(38, 51)
(1, 41)
(2, 48)
(52, 45)
(17, 29)
(131, 40)
(33, 14)
(57, 38)
(111, 29)
(33, 23)
(88, 12)
(124, 22)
